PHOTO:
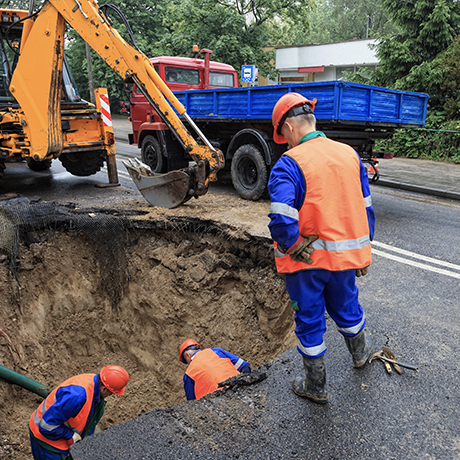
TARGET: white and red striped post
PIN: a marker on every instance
(102, 103)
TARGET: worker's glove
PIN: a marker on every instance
(362, 271)
(304, 250)
(75, 438)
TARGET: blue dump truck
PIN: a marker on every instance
(238, 122)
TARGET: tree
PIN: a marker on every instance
(236, 30)
(146, 24)
(447, 65)
(338, 20)
(427, 28)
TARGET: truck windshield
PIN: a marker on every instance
(182, 76)
(224, 80)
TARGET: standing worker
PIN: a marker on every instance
(322, 223)
(72, 410)
(207, 368)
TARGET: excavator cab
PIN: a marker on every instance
(10, 43)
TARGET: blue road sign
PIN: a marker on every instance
(247, 74)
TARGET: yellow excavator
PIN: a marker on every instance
(43, 118)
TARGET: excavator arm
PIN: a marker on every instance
(45, 43)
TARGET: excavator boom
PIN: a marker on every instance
(85, 17)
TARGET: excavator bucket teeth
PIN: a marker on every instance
(164, 190)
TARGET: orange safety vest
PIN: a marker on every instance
(333, 208)
(76, 423)
(207, 370)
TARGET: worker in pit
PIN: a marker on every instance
(207, 368)
(322, 224)
(71, 412)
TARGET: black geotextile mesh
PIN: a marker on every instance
(25, 222)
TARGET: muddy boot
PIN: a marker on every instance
(360, 346)
(314, 385)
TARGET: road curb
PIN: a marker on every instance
(418, 189)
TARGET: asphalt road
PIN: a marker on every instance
(411, 298)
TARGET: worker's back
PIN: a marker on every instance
(207, 369)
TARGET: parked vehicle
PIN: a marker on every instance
(43, 118)
(238, 120)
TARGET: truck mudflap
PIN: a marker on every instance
(164, 190)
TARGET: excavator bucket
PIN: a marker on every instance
(164, 190)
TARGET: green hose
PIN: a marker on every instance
(25, 382)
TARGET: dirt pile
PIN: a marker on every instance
(183, 278)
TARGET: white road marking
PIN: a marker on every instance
(416, 256)
(120, 173)
(416, 264)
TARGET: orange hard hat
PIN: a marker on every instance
(114, 378)
(280, 112)
(184, 346)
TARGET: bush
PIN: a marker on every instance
(439, 141)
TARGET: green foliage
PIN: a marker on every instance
(448, 64)
(440, 140)
(147, 27)
(236, 30)
(15, 4)
(427, 28)
(334, 21)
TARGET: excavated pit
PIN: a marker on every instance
(81, 289)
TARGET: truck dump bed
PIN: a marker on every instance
(340, 102)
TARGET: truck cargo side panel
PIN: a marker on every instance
(337, 101)
(413, 109)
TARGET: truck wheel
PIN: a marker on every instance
(2, 168)
(83, 163)
(152, 155)
(249, 172)
(38, 165)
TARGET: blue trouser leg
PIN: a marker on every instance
(314, 291)
(341, 295)
(40, 453)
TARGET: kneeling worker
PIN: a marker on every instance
(207, 368)
(72, 410)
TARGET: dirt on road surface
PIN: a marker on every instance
(125, 284)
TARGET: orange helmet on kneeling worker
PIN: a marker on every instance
(283, 106)
(114, 378)
(188, 343)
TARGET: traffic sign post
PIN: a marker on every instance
(248, 74)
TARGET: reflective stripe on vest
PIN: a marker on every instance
(76, 424)
(334, 208)
(207, 369)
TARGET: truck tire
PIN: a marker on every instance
(2, 168)
(38, 165)
(83, 164)
(152, 154)
(249, 172)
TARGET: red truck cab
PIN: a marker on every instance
(179, 73)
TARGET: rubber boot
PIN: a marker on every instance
(314, 385)
(360, 346)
